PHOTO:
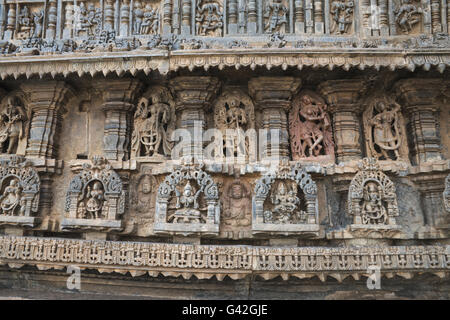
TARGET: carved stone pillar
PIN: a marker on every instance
(118, 98)
(418, 99)
(342, 97)
(273, 96)
(193, 96)
(46, 101)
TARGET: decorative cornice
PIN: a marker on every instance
(204, 262)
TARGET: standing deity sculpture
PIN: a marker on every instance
(12, 126)
(154, 121)
(372, 210)
(275, 15)
(208, 18)
(138, 17)
(233, 116)
(407, 14)
(385, 130)
(237, 207)
(342, 15)
(38, 18)
(93, 201)
(24, 23)
(310, 127)
(150, 21)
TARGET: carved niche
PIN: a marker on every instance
(154, 122)
(341, 12)
(209, 18)
(14, 125)
(19, 192)
(385, 131)
(95, 199)
(408, 14)
(372, 200)
(276, 16)
(237, 205)
(234, 116)
(285, 202)
(446, 194)
(311, 135)
(188, 203)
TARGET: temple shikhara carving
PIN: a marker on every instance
(245, 144)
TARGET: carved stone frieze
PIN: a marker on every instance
(95, 198)
(447, 194)
(188, 203)
(19, 192)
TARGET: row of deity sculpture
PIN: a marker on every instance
(190, 201)
(309, 122)
(216, 18)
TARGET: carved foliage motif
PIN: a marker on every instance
(372, 200)
(288, 197)
(384, 129)
(234, 114)
(154, 122)
(95, 197)
(310, 127)
(188, 202)
(20, 185)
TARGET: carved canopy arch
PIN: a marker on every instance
(370, 173)
(187, 217)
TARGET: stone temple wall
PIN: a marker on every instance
(223, 146)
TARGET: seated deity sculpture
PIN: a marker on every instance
(385, 131)
(310, 128)
(372, 209)
(407, 15)
(187, 205)
(12, 120)
(237, 205)
(10, 201)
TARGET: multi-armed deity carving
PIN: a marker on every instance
(384, 130)
(234, 115)
(407, 15)
(95, 198)
(19, 196)
(14, 126)
(310, 129)
(209, 18)
(285, 202)
(372, 200)
(275, 16)
(341, 16)
(154, 122)
(188, 203)
(237, 205)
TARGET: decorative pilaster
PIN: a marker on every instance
(193, 96)
(342, 97)
(46, 101)
(273, 96)
(418, 98)
(118, 99)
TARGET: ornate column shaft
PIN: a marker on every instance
(273, 96)
(118, 99)
(342, 97)
(418, 98)
(193, 96)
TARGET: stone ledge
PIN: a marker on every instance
(236, 262)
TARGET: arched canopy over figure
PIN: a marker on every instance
(310, 127)
(154, 122)
(384, 130)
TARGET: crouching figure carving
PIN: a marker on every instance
(372, 200)
(285, 202)
(95, 198)
(19, 197)
(188, 203)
